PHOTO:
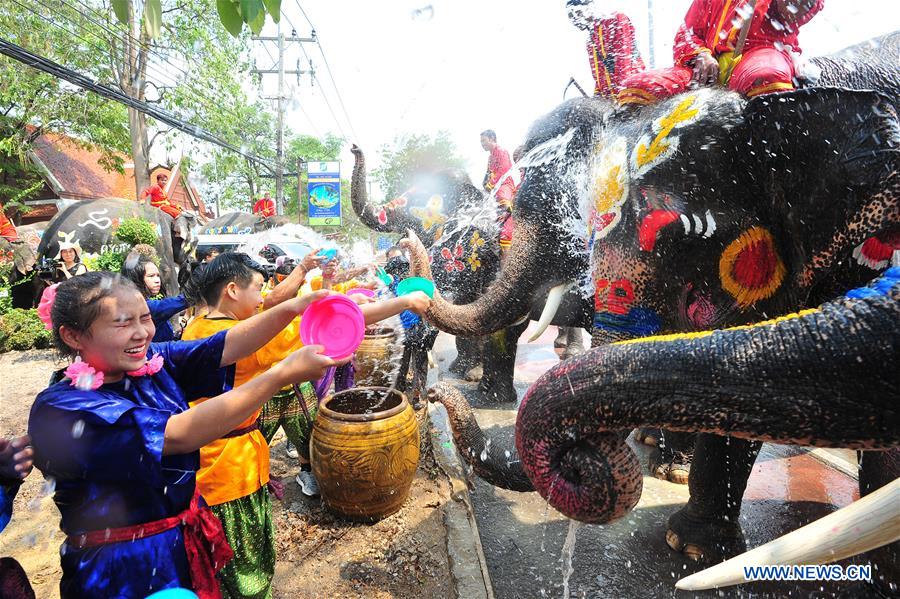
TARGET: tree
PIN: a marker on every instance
(410, 154)
(33, 103)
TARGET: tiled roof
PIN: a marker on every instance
(78, 170)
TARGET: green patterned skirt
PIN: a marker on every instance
(284, 410)
(248, 527)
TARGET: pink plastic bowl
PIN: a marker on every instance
(361, 291)
(336, 323)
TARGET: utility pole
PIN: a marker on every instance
(279, 70)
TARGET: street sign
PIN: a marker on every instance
(324, 192)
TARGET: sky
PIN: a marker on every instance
(419, 66)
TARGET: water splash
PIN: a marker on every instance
(568, 555)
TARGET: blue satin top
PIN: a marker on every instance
(104, 450)
(161, 311)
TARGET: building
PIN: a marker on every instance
(72, 172)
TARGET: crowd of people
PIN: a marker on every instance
(159, 447)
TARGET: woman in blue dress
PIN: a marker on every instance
(144, 273)
(122, 446)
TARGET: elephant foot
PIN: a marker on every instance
(498, 392)
(673, 466)
(459, 367)
(474, 374)
(647, 436)
(703, 539)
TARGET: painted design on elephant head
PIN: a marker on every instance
(610, 188)
(875, 252)
(615, 310)
(649, 153)
(750, 268)
(452, 259)
(656, 220)
(431, 215)
(475, 242)
(97, 219)
(398, 202)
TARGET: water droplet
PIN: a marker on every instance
(78, 429)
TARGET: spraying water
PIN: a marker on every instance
(568, 553)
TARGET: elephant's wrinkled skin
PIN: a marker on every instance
(709, 210)
(94, 221)
(456, 223)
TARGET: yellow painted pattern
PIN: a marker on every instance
(431, 216)
(610, 185)
(743, 295)
(648, 155)
(702, 334)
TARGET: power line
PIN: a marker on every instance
(52, 68)
(316, 79)
(328, 68)
(125, 37)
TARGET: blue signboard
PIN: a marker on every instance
(324, 192)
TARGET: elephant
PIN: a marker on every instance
(707, 210)
(456, 222)
(93, 222)
(242, 222)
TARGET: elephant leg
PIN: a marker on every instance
(707, 528)
(469, 353)
(499, 364)
(672, 461)
(876, 469)
(574, 342)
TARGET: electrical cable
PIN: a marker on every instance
(46, 65)
(330, 74)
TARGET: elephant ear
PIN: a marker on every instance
(823, 144)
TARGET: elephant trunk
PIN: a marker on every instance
(359, 197)
(826, 377)
(493, 459)
(506, 301)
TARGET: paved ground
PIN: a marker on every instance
(523, 538)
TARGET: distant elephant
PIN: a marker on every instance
(707, 210)
(94, 221)
(242, 222)
(455, 221)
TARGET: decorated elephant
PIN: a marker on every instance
(704, 211)
(93, 222)
(242, 223)
(456, 223)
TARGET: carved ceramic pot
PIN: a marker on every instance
(364, 451)
(372, 362)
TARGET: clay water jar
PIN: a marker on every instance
(365, 451)
(372, 362)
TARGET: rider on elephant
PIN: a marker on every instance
(264, 206)
(158, 197)
(611, 47)
(498, 166)
(7, 228)
(705, 47)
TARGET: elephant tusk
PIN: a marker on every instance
(554, 298)
(867, 524)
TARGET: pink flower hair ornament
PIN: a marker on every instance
(45, 307)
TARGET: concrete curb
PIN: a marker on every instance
(467, 562)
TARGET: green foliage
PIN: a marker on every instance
(110, 260)
(413, 153)
(134, 231)
(234, 13)
(21, 330)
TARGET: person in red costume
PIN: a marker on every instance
(611, 46)
(499, 165)
(264, 206)
(158, 197)
(7, 229)
(705, 45)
